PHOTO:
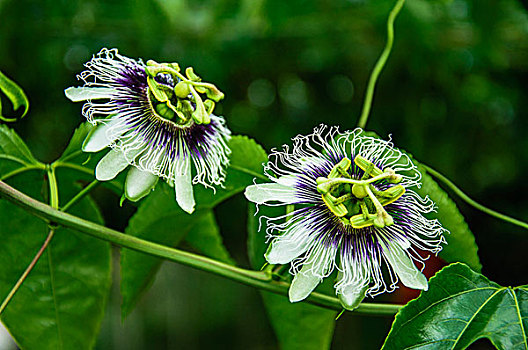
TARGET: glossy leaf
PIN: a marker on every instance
(296, 325)
(460, 307)
(15, 95)
(14, 153)
(61, 303)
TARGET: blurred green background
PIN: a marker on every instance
(453, 94)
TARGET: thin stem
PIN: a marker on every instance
(83, 169)
(258, 279)
(249, 172)
(27, 271)
(470, 201)
(80, 194)
(20, 171)
(379, 65)
(54, 188)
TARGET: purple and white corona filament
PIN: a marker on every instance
(154, 119)
(355, 211)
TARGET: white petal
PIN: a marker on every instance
(77, 94)
(293, 243)
(110, 165)
(184, 189)
(270, 192)
(303, 284)
(404, 267)
(101, 137)
(139, 183)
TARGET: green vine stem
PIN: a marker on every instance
(258, 279)
(367, 104)
(470, 201)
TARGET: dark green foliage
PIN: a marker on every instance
(62, 302)
(460, 307)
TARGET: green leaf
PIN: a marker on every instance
(16, 95)
(158, 219)
(298, 325)
(460, 307)
(61, 303)
(74, 148)
(461, 246)
(14, 154)
(159, 214)
(205, 238)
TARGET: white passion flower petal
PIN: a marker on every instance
(404, 267)
(270, 192)
(102, 136)
(184, 188)
(139, 183)
(77, 94)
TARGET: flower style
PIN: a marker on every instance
(354, 211)
(154, 119)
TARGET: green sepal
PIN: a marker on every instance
(16, 95)
(368, 167)
(340, 169)
(164, 110)
(209, 105)
(359, 220)
(159, 94)
(213, 93)
(200, 114)
(339, 210)
(189, 72)
(201, 89)
(390, 195)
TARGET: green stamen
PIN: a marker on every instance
(184, 99)
(353, 204)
